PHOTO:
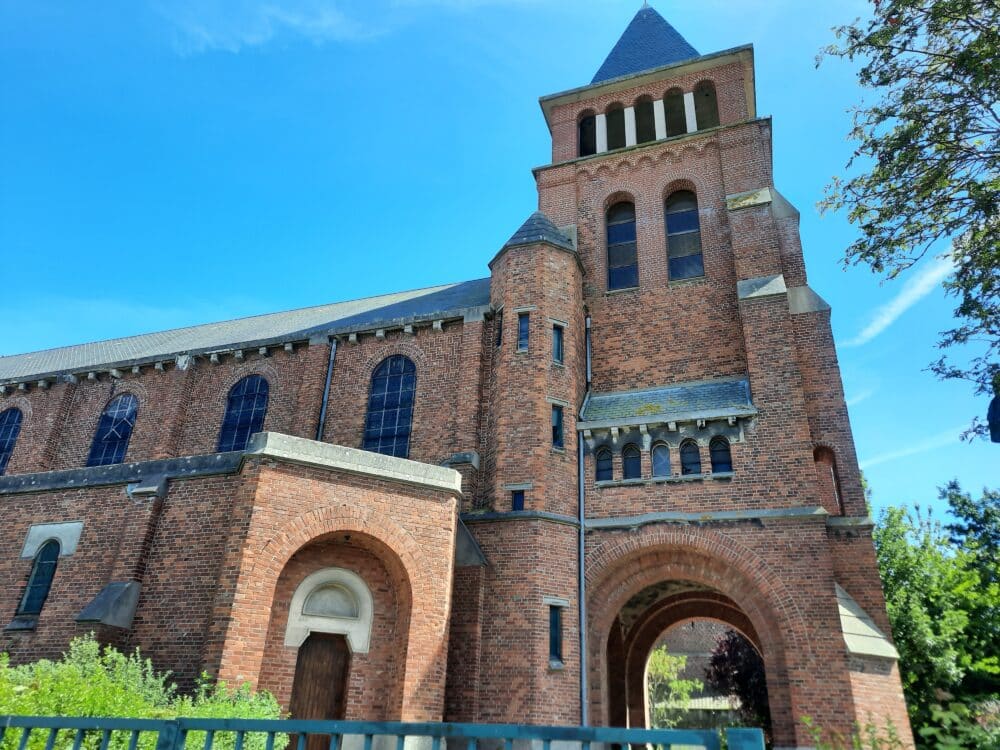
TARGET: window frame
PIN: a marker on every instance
(117, 420)
(233, 422)
(523, 331)
(687, 468)
(602, 455)
(33, 582)
(631, 463)
(11, 420)
(673, 248)
(720, 440)
(609, 246)
(559, 343)
(663, 448)
(517, 500)
(556, 639)
(405, 401)
(558, 428)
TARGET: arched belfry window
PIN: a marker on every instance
(587, 135)
(631, 462)
(706, 106)
(616, 127)
(246, 408)
(623, 264)
(661, 460)
(690, 458)
(10, 428)
(390, 407)
(604, 465)
(113, 431)
(673, 105)
(683, 235)
(645, 123)
(42, 572)
(722, 458)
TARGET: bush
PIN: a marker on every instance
(90, 681)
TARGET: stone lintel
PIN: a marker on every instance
(275, 445)
(750, 198)
(66, 533)
(761, 286)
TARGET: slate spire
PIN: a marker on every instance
(648, 42)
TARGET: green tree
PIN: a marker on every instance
(668, 694)
(925, 173)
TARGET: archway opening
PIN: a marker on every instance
(660, 668)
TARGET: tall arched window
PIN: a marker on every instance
(690, 458)
(42, 572)
(683, 235)
(246, 408)
(631, 462)
(390, 407)
(616, 127)
(673, 105)
(645, 124)
(722, 458)
(604, 464)
(113, 431)
(661, 460)
(706, 107)
(10, 427)
(623, 264)
(587, 135)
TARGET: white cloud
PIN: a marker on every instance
(946, 437)
(915, 288)
(857, 398)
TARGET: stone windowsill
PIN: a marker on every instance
(718, 476)
(626, 290)
(22, 622)
(556, 665)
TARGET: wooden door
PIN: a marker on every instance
(319, 690)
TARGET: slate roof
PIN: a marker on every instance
(648, 42)
(708, 399)
(339, 317)
(539, 228)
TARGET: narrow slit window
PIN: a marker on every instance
(517, 499)
(706, 105)
(683, 236)
(246, 407)
(616, 127)
(645, 124)
(557, 426)
(390, 407)
(10, 428)
(588, 135)
(557, 344)
(690, 458)
(113, 431)
(623, 263)
(499, 325)
(673, 105)
(661, 460)
(722, 458)
(555, 635)
(604, 465)
(523, 329)
(631, 462)
(42, 572)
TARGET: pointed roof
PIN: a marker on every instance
(539, 228)
(648, 42)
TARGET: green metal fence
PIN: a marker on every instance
(71, 733)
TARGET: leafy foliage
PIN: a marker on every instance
(669, 694)
(737, 669)
(943, 600)
(867, 737)
(94, 681)
(928, 159)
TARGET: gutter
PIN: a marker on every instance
(581, 550)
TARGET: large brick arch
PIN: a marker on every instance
(626, 563)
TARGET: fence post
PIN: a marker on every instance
(170, 737)
(745, 739)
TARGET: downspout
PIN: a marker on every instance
(326, 390)
(581, 571)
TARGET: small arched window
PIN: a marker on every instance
(42, 572)
(390, 407)
(10, 428)
(113, 431)
(616, 127)
(587, 135)
(604, 464)
(706, 107)
(661, 460)
(623, 264)
(690, 458)
(673, 105)
(246, 408)
(722, 458)
(631, 462)
(683, 235)
(645, 123)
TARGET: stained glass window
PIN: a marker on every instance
(390, 407)
(113, 431)
(10, 426)
(246, 408)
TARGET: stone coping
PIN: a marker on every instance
(286, 448)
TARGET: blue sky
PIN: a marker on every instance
(178, 162)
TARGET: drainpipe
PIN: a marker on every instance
(581, 568)
(326, 389)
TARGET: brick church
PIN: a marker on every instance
(484, 501)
